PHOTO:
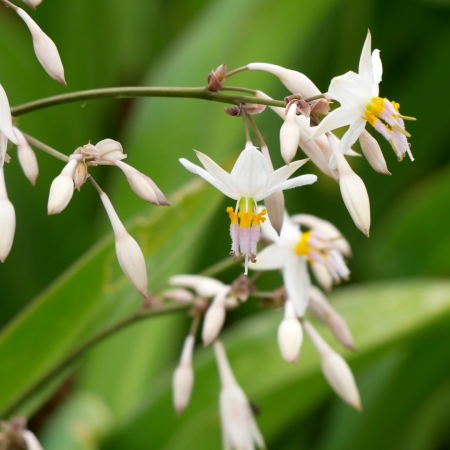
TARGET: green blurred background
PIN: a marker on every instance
(397, 303)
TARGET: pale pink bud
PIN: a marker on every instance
(45, 49)
(129, 254)
(373, 153)
(204, 286)
(81, 174)
(214, 317)
(320, 307)
(290, 334)
(110, 150)
(31, 440)
(296, 82)
(142, 185)
(32, 3)
(183, 377)
(335, 368)
(353, 191)
(7, 220)
(27, 157)
(289, 135)
(61, 190)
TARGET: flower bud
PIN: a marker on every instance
(326, 313)
(214, 317)
(290, 334)
(290, 135)
(353, 191)
(61, 190)
(7, 220)
(80, 175)
(179, 295)
(294, 81)
(143, 186)
(221, 71)
(110, 150)
(373, 153)
(45, 49)
(183, 377)
(335, 368)
(27, 157)
(204, 286)
(129, 254)
(32, 3)
(6, 126)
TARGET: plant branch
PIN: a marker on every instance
(45, 148)
(127, 92)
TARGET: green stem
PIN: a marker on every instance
(45, 148)
(126, 92)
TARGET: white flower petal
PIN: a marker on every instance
(302, 180)
(209, 178)
(352, 135)
(280, 175)
(336, 119)
(297, 283)
(351, 90)
(214, 169)
(272, 257)
(377, 69)
(250, 174)
(365, 62)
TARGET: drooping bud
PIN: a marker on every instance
(326, 313)
(204, 286)
(290, 334)
(32, 3)
(27, 157)
(214, 317)
(7, 220)
(143, 186)
(183, 377)
(81, 174)
(179, 295)
(110, 150)
(61, 190)
(290, 134)
(353, 191)
(335, 368)
(373, 153)
(45, 49)
(129, 254)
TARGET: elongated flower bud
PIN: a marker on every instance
(27, 157)
(61, 190)
(320, 307)
(290, 334)
(373, 153)
(289, 135)
(143, 186)
(7, 220)
(45, 49)
(6, 126)
(183, 377)
(214, 317)
(335, 368)
(353, 191)
(129, 254)
(33, 3)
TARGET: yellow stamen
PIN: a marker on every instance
(370, 118)
(259, 217)
(303, 248)
(233, 215)
(396, 106)
(246, 219)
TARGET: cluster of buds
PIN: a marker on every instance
(16, 436)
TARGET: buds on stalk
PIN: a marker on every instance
(214, 317)
(183, 377)
(373, 153)
(129, 254)
(290, 134)
(61, 190)
(290, 334)
(143, 186)
(320, 307)
(45, 49)
(7, 220)
(32, 3)
(27, 157)
(335, 368)
(353, 191)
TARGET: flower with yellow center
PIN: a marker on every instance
(322, 247)
(250, 181)
(358, 94)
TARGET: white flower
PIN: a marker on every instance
(291, 252)
(239, 428)
(358, 94)
(183, 377)
(7, 220)
(249, 182)
(61, 190)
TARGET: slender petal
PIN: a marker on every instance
(280, 175)
(352, 134)
(297, 282)
(377, 68)
(214, 169)
(365, 62)
(270, 258)
(302, 180)
(336, 119)
(351, 90)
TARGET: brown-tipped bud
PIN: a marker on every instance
(214, 85)
(320, 107)
(80, 176)
(221, 71)
(253, 108)
(233, 111)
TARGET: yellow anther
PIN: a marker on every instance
(259, 217)
(233, 215)
(370, 118)
(303, 248)
(246, 219)
(396, 106)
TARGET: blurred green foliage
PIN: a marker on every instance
(119, 395)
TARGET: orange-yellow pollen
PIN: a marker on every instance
(246, 219)
(233, 215)
(303, 248)
(259, 217)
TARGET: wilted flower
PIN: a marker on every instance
(183, 377)
(358, 95)
(7, 220)
(292, 251)
(61, 190)
(27, 157)
(239, 428)
(249, 182)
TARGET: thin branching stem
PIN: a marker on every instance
(45, 148)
